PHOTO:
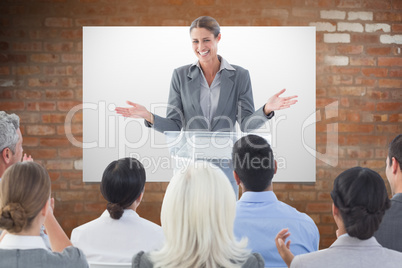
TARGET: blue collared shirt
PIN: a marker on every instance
(260, 216)
(209, 95)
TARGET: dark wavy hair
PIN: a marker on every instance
(122, 183)
(361, 197)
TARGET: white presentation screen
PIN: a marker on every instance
(136, 64)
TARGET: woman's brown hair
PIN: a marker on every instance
(24, 191)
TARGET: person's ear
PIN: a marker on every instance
(219, 37)
(6, 154)
(236, 177)
(276, 166)
(45, 209)
(394, 165)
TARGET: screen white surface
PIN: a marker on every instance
(136, 64)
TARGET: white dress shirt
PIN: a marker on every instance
(11, 241)
(108, 240)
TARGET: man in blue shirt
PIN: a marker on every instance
(259, 214)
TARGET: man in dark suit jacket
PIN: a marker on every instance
(389, 234)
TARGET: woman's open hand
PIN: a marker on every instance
(283, 248)
(135, 111)
(278, 103)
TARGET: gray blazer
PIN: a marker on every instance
(71, 257)
(235, 103)
(389, 234)
(348, 251)
(141, 260)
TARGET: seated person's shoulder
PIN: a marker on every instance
(255, 260)
(70, 257)
(141, 260)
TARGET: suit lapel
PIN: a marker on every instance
(226, 91)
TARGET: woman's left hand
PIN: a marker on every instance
(283, 247)
(278, 103)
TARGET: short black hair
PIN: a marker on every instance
(254, 163)
(395, 150)
(361, 197)
(122, 183)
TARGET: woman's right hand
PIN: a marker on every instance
(283, 248)
(136, 111)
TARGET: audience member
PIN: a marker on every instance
(10, 141)
(389, 234)
(359, 203)
(119, 233)
(197, 218)
(26, 205)
(259, 214)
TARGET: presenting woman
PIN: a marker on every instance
(210, 94)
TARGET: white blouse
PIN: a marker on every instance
(108, 240)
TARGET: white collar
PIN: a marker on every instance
(11, 241)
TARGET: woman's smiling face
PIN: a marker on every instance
(205, 44)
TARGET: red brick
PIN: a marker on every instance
(45, 58)
(53, 118)
(59, 46)
(363, 81)
(28, 94)
(362, 128)
(378, 51)
(27, 70)
(71, 34)
(395, 117)
(12, 106)
(44, 153)
(49, 82)
(302, 196)
(395, 73)
(388, 16)
(364, 39)
(375, 72)
(396, 28)
(76, 129)
(390, 61)
(30, 141)
(59, 70)
(390, 83)
(67, 105)
(54, 142)
(6, 94)
(59, 22)
(319, 207)
(388, 129)
(41, 106)
(27, 46)
(59, 94)
(364, 61)
(377, 94)
(346, 70)
(350, 49)
(59, 165)
(40, 130)
(4, 70)
(70, 152)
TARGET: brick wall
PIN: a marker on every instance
(359, 65)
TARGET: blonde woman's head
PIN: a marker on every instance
(197, 217)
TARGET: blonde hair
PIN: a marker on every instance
(197, 217)
(24, 191)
